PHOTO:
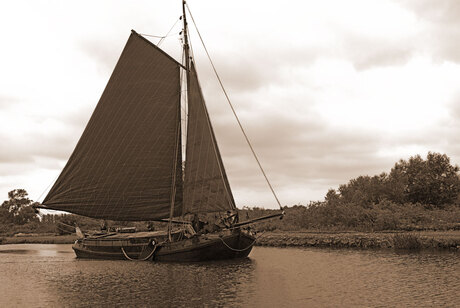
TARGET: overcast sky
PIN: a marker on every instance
(327, 90)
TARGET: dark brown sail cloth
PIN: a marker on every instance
(206, 187)
(122, 166)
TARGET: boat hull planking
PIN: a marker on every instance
(155, 248)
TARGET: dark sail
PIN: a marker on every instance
(206, 187)
(122, 166)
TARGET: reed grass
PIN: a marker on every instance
(407, 241)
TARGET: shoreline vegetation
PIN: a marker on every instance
(439, 240)
(413, 240)
(24, 238)
(414, 206)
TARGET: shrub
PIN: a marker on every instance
(406, 241)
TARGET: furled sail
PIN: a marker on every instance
(122, 166)
(206, 187)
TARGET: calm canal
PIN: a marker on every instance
(33, 275)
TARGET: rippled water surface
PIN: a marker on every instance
(34, 275)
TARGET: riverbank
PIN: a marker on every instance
(38, 239)
(364, 240)
(397, 240)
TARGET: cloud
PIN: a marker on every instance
(44, 138)
(367, 53)
(455, 108)
(103, 51)
(7, 101)
(324, 94)
(304, 151)
(248, 70)
(441, 27)
(301, 151)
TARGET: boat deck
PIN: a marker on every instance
(123, 236)
(128, 239)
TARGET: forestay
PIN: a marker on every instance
(122, 166)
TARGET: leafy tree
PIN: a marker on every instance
(431, 181)
(18, 209)
(396, 184)
(5, 216)
(332, 196)
(363, 190)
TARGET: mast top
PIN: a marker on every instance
(185, 31)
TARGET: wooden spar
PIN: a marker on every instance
(243, 223)
(173, 188)
(186, 46)
(39, 206)
(187, 68)
(174, 221)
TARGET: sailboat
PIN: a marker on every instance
(128, 165)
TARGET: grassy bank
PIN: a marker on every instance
(396, 240)
(440, 240)
(38, 239)
(385, 216)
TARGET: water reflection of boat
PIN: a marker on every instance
(127, 165)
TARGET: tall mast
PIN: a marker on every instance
(185, 93)
(186, 46)
(187, 68)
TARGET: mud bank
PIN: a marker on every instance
(397, 240)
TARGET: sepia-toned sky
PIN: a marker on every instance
(327, 90)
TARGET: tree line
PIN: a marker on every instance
(416, 194)
(432, 181)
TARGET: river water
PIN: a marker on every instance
(33, 275)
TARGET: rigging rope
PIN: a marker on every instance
(47, 188)
(164, 36)
(229, 197)
(161, 40)
(150, 35)
(233, 110)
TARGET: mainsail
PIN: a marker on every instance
(122, 166)
(206, 187)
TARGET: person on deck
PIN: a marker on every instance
(103, 225)
(229, 219)
(197, 224)
(150, 226)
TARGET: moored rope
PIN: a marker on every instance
(238, 250)
(144, 259)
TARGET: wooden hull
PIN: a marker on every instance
(198, 248)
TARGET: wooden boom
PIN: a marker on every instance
(247, 222)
